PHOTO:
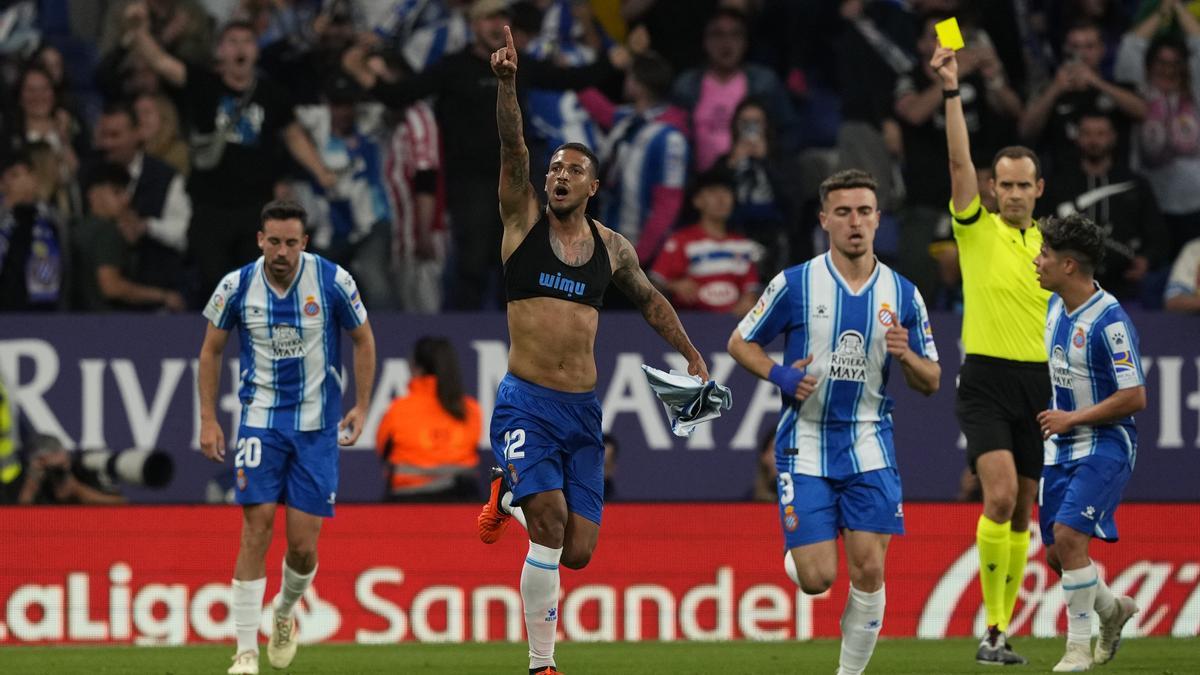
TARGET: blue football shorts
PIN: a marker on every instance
(816, 508)
(1082, 494)
(550, 440)
(297, 468)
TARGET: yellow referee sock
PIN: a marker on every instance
(992, 540)
(1018, 555)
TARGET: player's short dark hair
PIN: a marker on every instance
(654, 73)
(587, 152)
(1018, 152)
(111, 174)
(1075, 235)
(283, 209)
(848, 179)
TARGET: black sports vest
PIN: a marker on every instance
(533, 271)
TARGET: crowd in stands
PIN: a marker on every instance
(139, 138)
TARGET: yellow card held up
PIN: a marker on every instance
(948, 34)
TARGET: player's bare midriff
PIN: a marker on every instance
(552, 342)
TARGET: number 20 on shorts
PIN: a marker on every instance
(249, 452)
(513, 440)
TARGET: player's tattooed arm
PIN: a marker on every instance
(516, 194)
(658, 312)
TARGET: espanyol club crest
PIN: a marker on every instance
(790, 520)
(311, 308)
(1078, 339)
(886, 316)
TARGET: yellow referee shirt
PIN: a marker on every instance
(1004, 308)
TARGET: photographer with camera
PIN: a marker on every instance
(51, 477)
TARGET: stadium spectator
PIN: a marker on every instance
(424, 33)
(121, 266)
(712, 93)
(349, 222)
(39, 117)
(157, 192)
(987, 102)
(316, 35)
(416, 184)
(1111, 18)
(1167, 74)
(677, 36)
(1051, 120)
(182, 27)
(705, 266)
(873, 47)
(643, 158)
(1183, 287)
(763, 180)
(1107, 191)
(31, 242)
(1002, 384)
(50, 59)
(237, 119)
(429, 439)
(567, 35)
(464, 91)
(158, 127)
(50, 477)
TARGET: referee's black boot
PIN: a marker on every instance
(994, 650)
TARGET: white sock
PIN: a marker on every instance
(1105, 600)
(247, 612)
(539, 594)
(293, 587)
(516, 511)
(1080, 588)
(861, 623)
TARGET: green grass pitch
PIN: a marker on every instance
(1160, 656)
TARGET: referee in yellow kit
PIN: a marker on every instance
(1003, 383)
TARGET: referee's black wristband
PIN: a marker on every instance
(948, 94)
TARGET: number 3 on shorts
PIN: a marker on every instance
(249, 452)
(786, 489)
(513, 440)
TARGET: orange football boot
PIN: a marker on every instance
(492, 519)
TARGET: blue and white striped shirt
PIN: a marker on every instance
(290, 343)
(640, 154)
(1093, 353)
(845, 426)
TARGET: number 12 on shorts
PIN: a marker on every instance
(513, 440)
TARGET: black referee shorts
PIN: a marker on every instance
(997, 406)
